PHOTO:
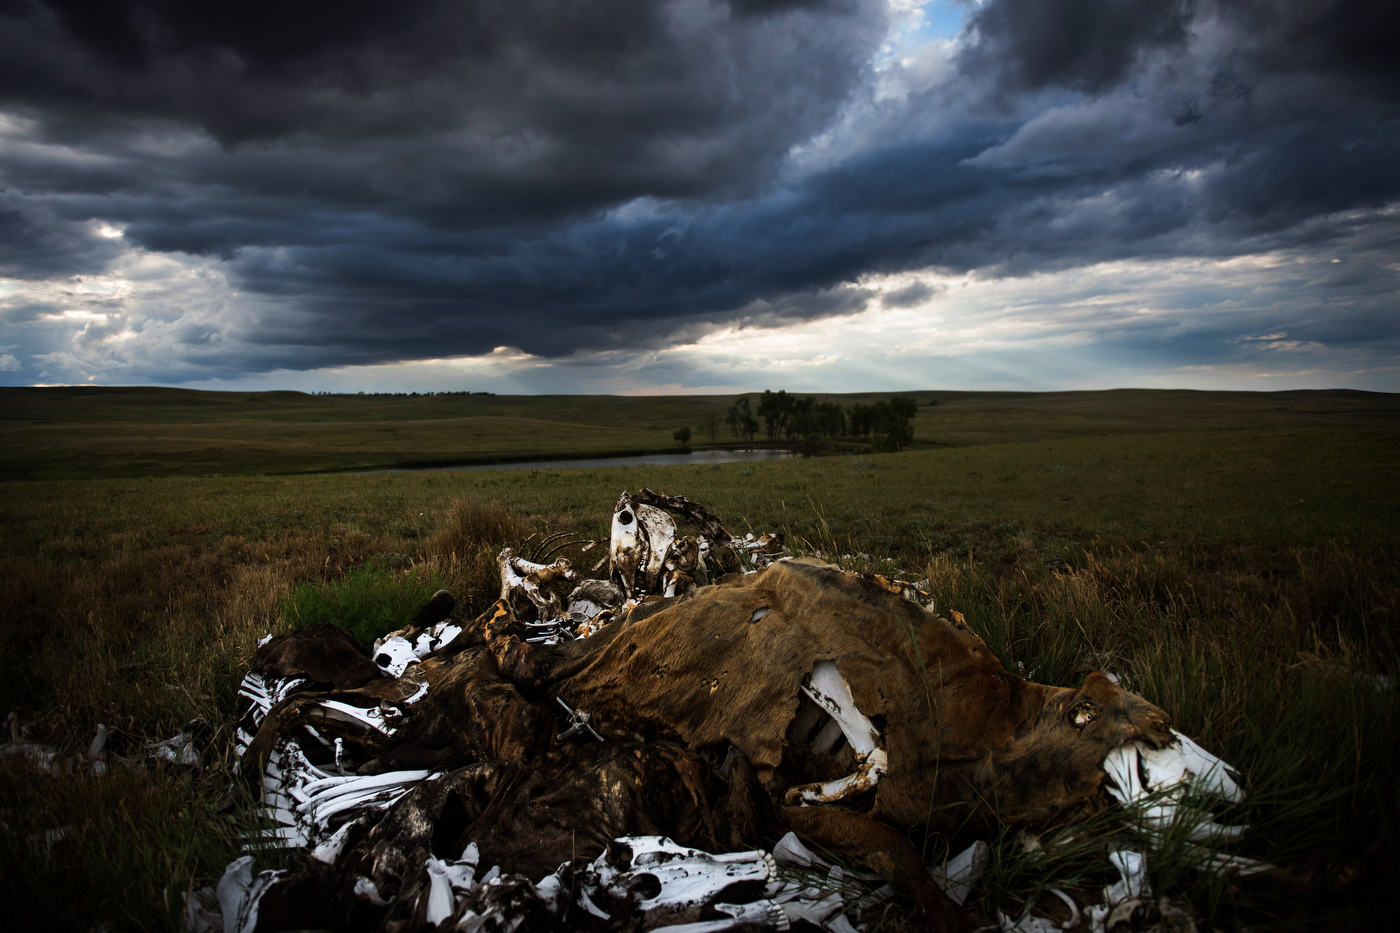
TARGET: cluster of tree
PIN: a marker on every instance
(741, 420)
(790, 418)
(787, 417)
(891, 421)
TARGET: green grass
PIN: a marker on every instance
(1240, 566)
(368, 603)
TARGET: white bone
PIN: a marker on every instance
(239, 893)
(813, 910)
(99, 741)
(233, 890)
(687, 876)
(380, 799)
(330, 850)
(1074, 915)
(829, 690)
(524, 576)
(438, 636)
(791, 853)
(763, 914)
(1138, 772)
(963, 871)
(373, 717)
(1132, 881)
(332, 787)
(627, 546)
(395, 655)
(1186, 762)
(440, 900)
(660, 530)
(366, 888)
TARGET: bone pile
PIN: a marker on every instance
(339, 768)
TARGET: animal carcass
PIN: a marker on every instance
(793, 698)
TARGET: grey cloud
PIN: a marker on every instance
(908, 296)
(1087, 45)
(25, 312)
(1350, 37)
(1093, 45)
(36, 244)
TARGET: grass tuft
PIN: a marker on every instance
(369, 602)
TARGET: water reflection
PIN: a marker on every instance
(697, 458)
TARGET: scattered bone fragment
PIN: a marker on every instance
(1128, 904)
(579, 722)
(240, 893)
(394, 655)
(961, 873)
(179, 749)
(1157, 779)
(41, 757)
(523, 584)
(99, 742)
(19, 732)
(762, 550)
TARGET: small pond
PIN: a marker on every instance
(697, 458)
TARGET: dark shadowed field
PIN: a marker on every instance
(1232, 555)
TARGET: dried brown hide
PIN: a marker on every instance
(321, 653)
(725, 667)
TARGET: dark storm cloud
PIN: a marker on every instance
(458, 115)
(409, 180)
(1352, 37)
(1092, 45)
(1082, 44)
(619, 95)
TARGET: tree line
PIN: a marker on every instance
(890, 423)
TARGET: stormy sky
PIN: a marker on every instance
(699, 195)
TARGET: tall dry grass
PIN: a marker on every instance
(465, 547)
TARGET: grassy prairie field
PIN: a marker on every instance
(1234, 556)
(90, 432)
